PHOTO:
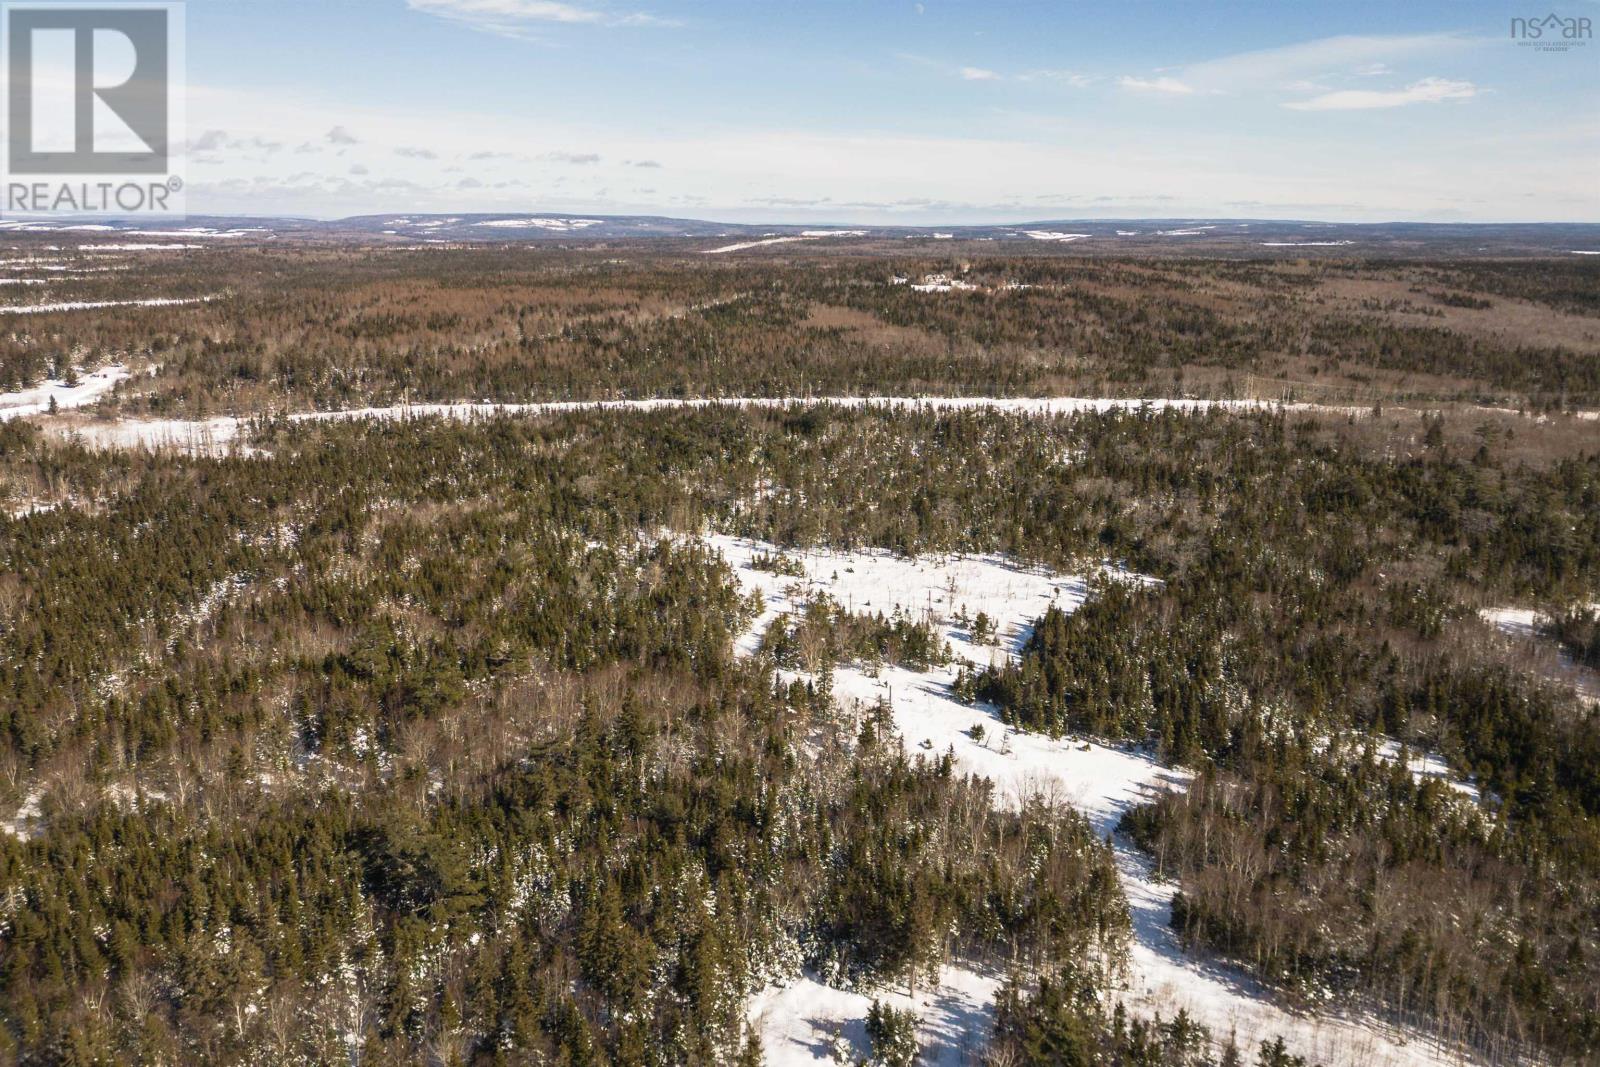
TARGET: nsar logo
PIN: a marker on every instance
(1552, 33)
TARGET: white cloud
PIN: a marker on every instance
(340, 135)
(1426, 91)
(1067, 77)
(938, 179)
(1171, 86)
(978, 74)
(1349, 53)
(512, 17)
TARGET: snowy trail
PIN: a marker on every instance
(219, 434)
(88, 305)
(1099, 780)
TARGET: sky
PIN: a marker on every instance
(889, 112)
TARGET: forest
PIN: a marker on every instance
(431, 740)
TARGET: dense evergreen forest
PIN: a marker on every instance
(425, 741)
(309, 326)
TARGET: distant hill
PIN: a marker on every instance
(1261, 237)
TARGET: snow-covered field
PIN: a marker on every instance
(797, 1023)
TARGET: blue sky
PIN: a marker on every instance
(827, 111)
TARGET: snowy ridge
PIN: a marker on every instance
(797, 1022)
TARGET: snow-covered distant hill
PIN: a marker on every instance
(1113, 236)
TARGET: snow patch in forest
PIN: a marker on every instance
(214, 436)
(36, 399)
(806, 1021)
(1425, 766)
(25, 823)
(1527, 624)
(1101, 781)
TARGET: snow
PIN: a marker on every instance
(1517, 622)
(1586, 252)
(558, 225)
(202, 436)
(742, 245)
(1055, 235)
(1427, 765)
(1304, 244)
(1101, 781)
(833, 233)
(218, 433)
(139, 246)
(1527, 624)
(939, 283)
(25, 823)
(85, 305)
(806, 1022)
(36, 400)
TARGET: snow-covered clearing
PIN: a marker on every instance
(36, 400)
(1304, 244)
(213, 436)
(1101, 781)
(1055, 235)
(946, 285)
(1527, 624)
(807, 1022)
(85, 305)
(742, 245)
(558, 225)
(1427, 765)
